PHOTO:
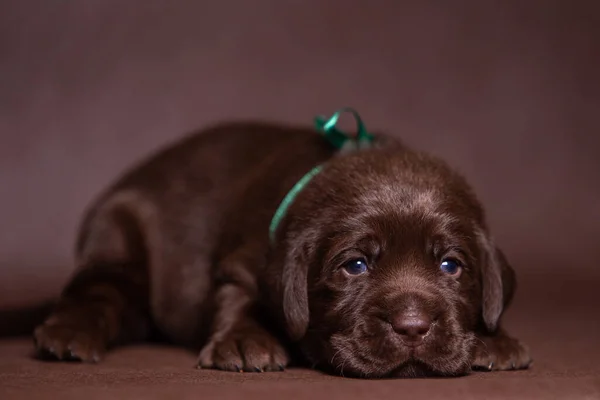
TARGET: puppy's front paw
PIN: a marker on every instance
(500, 353)
(70, 338)
(249, 349)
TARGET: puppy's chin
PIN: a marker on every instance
(389, 358)
(413, 369)
(416, 368)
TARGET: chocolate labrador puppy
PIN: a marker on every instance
(379, 263)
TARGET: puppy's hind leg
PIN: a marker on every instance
(106, 302)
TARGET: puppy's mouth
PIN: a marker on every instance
(413, 368)
(424, 361)
(435, 356)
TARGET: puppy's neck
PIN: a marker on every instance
(340, 140)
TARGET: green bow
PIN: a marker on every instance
(339, 139)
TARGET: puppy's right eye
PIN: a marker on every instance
(357, 266)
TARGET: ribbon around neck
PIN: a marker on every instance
(338, 139)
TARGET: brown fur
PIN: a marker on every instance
(179, 246)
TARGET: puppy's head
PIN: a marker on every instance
(387, 268)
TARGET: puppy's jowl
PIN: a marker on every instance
(254, 241)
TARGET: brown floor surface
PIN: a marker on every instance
(556, 316)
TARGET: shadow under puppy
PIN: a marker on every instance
(380, 266)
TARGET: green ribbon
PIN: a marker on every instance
(338, 139)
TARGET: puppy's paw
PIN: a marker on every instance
(250, 350)
(70, 338)
(500, 353)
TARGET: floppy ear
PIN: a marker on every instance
(295, 295)
(498, 282)
(288, 287)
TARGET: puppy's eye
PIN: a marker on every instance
(357, 266)
(451, 267)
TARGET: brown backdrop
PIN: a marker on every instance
(507, 91)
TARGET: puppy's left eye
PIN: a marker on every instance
(451, 267)
(357, 266)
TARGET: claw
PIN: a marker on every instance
(491, 366)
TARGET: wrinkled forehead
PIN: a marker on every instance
(403, 213)
(394, 195)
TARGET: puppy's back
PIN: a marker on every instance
(166, 217)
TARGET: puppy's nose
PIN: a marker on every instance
(411, 326)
